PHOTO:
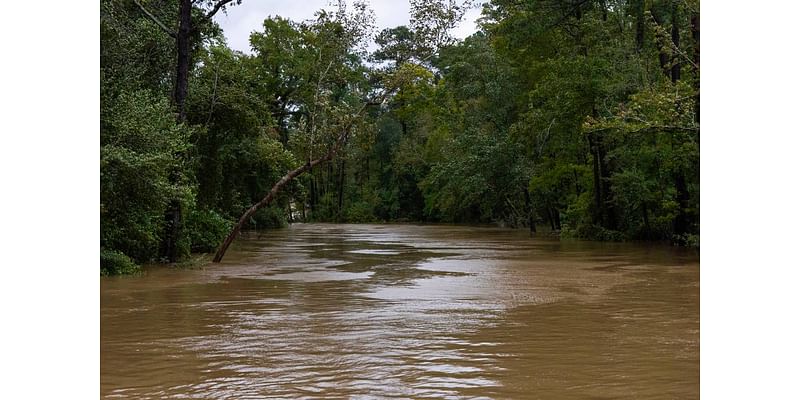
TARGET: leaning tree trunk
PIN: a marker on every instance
(340, 141)
(265, 202)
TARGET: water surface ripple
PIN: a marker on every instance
(407, 311)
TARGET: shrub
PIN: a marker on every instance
(593, 232)
(139, 172)
(206, 229)
(359, 212)
(687, 240)
(270, 217)
(115, 263)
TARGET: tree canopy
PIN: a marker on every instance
(574, 117)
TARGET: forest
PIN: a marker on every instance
(577, 118)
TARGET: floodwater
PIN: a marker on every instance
(408, 311)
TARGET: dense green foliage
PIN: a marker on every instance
(577, 116)
(115, 263)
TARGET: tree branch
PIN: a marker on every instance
(213, 95)
(649, 128)
(565, 16)
(156, 20)
(216, 8)
(340, 141)
(329, 155)
(666, 128)
(661, 36)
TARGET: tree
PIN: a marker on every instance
(138, 141)
(337, 37)
(238, 153)
(581, 115)
(186, 35)
(395, 45)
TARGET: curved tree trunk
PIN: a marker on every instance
(274, 192)
(340, 141)
(283, 181)
(261, 204)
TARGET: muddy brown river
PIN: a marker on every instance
(408, 311)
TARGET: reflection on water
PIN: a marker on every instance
(368, 311)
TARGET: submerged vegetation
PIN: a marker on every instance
(573, 116)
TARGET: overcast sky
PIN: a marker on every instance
(247, 17)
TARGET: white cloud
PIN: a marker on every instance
(247, 17)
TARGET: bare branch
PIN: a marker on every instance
(216, 8)
(543, 141)
(156, 20)
(567, 15)
(213, 95)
